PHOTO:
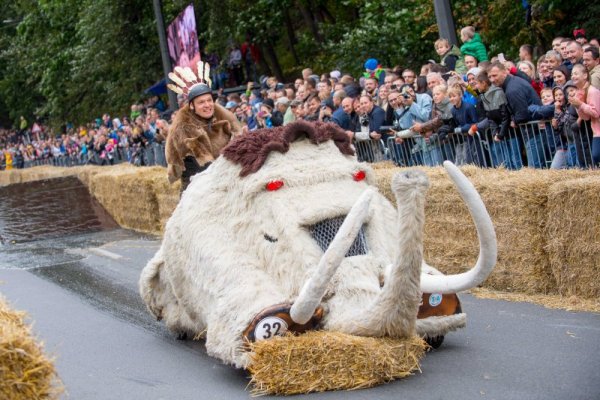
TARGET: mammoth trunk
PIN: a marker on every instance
(394, 311)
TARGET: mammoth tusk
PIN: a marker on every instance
(487, 242)
(314, 289)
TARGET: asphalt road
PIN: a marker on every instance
(81, 294)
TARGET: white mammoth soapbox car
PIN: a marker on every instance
(287, 232)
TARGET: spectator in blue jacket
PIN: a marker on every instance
(464, 115)
(367, 136)
(341, 116)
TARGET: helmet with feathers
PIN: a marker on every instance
(186, 83)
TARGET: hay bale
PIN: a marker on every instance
(318, 361)
(47, 172)
(517, 203)
(86, 172)
(25, 371)
(573, 230)
(9, 177)
(127, 193)
(167, 196)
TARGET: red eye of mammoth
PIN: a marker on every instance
(274, 185)
(359, 176)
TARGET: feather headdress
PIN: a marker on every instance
(184, 79)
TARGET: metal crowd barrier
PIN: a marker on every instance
(371, 150)
(150, 155)
(533, 144)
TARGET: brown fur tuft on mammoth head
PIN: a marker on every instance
(251, 150)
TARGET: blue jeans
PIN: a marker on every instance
(534, 147)
(596, 151)
(513, 153)
(498, 153)
(431, 155)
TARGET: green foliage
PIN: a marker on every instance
(71, 60)
(392, 31)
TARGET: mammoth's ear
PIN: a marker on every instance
(298, 130)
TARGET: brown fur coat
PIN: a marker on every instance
(190, 136)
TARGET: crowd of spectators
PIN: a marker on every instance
(541, 110)
(134, 138)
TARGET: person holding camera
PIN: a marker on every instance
(326, 112)
(268, 116)
(410, 108)
(367, 136)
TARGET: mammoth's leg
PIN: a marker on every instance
(393, 310)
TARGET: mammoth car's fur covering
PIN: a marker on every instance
(191, 136)
(232, 248)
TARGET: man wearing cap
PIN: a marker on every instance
(231, 106)
(198, 133)
(281, 105)
(579, 35)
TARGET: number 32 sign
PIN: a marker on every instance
(269, 327)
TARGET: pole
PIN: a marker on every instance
(164, 51)
(445, 22)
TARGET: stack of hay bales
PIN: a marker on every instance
(127, 193)
(573, 230)
(25, 372)
(10, 177)
(139, 198)
(167, 196)
(317, 361)
(546, 220)
(518, 205)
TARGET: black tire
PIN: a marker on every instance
(435, 342)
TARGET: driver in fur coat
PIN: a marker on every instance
(199, 131)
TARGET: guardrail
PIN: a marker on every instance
(534, 144)
(153, 154)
